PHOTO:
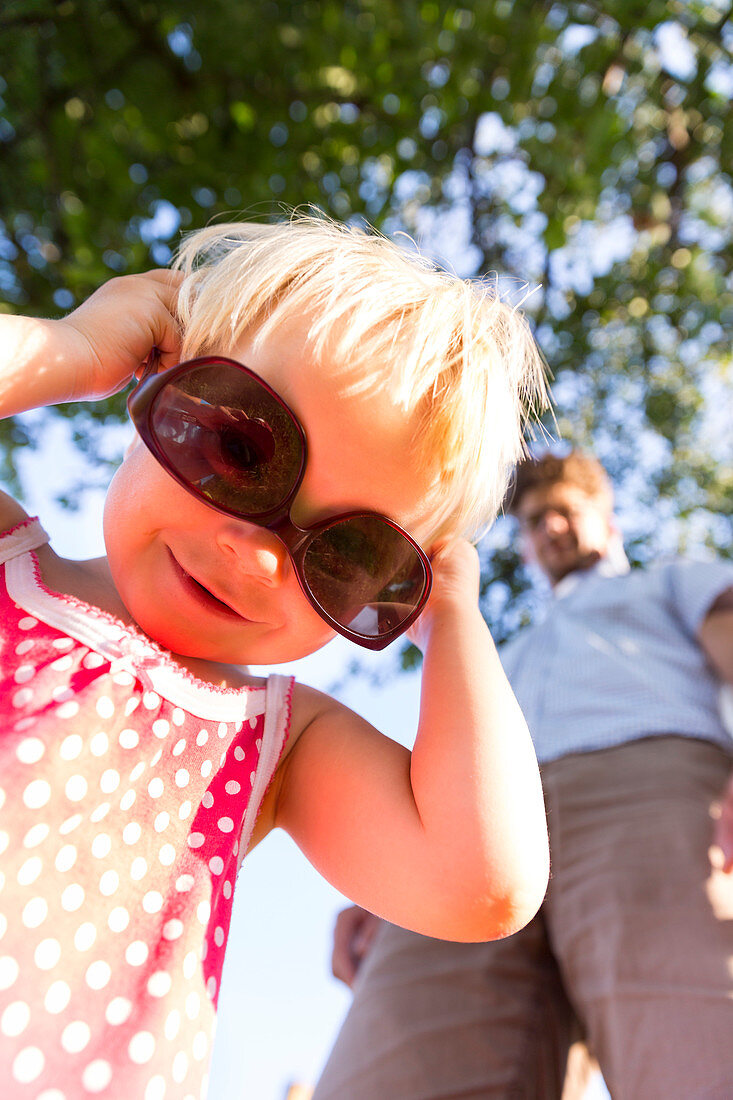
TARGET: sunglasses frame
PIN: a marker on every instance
(278, 520)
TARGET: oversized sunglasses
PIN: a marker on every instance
(232, 442)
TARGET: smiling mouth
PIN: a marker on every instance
(201, 593)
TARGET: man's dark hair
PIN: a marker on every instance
(579, 469)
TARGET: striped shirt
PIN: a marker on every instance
(616, 658)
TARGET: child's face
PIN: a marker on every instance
(161, 540)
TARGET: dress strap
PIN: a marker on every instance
(28, 535)
(277, 727)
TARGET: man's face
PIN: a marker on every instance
(564, 528)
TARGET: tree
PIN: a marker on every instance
(580, 146)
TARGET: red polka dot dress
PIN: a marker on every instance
(126, 789)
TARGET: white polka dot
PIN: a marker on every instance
(62, 693)
(203, 912)
(203, 737)
(57, 997)
(155, 787)
(153, 902)
(69, 709)
(137, 771)
(101, 811)
(167, 855)
(129, 739)
(162, 821)
(27, 623)
(124, 679)
(75, 1036)
(222, 759)
(252, 777)
(97, 1075)
(180, 1067)
(184, 883)
(98, 974)
(156, 758)
(239, 753)
(9, 971)
(85, 936)
(101, 845)
(66, 858)
(211, 987)
(47, 954)
(105, 707)
(131, 705)
(155, 1088)
(63, 643)
(206, 769)
(30, 871)
(200, 1045)
(193, 1005)
(172, 929)
(161, 727)
(182, 777)
(227, 889)
(172, 1024)
(62, 664)
(4, 840)
(179, 747)
(118, 1010)
(30, 750)
(184, 810)
(136, 953)
(71, 746)
(35, 912)
(110, 781)
(195, 840)
(70, 824)
(118, 919)
(108, 883)
(99, 744)
(76, 788)
(150, 700)
(93, 660)
(24, 673)
(131, 833)
(208, 800)
(72, 898)
(15, 1019)
(219, 936)
(141, 1047)
(178, 717)
(225, 824)
(190, 964)
(51, 1094)
(24, 647)
(36, 794)
(127, 800)
(216, 865)
(36, 835)
(222, 729)
(138, 868)
(232, 787)
(159, 983)
(28, 1065)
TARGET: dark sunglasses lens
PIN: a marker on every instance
(228, 438)
(365, 575)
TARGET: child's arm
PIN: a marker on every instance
(449, 840)
(93, 351)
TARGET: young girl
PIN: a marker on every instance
(340, 405)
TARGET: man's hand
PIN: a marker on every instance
(352, 938)
(723, 831)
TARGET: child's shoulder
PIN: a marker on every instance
(11, 513)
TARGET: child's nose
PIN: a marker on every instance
(254, 550)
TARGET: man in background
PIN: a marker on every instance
(632, 949)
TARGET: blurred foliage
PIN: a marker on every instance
(585, 147)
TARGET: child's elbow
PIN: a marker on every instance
(504, 906)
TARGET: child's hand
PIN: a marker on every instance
(105, 340)
(456, 574)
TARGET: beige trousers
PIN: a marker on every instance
(632, 951)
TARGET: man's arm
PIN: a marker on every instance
(716, 638)
(716, 635)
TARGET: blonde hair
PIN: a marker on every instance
(449, 351)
